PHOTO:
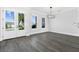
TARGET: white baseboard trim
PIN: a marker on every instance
(67, 34)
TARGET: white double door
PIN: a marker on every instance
(7, 34)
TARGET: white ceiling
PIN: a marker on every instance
(55, 9)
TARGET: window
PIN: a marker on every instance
(43, 22)
(20, 21)
(34, 21)
(9, 20)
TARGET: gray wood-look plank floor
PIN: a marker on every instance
(45, 42)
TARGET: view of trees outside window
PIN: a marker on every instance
(9, 20)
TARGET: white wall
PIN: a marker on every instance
(66, 23)
(0, 29)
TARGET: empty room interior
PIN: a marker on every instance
(39, 29)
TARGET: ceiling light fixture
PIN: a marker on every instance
(51, 15)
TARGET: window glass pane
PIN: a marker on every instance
(9, 20)
(20, 21)
(34, 21)
(43, 22)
